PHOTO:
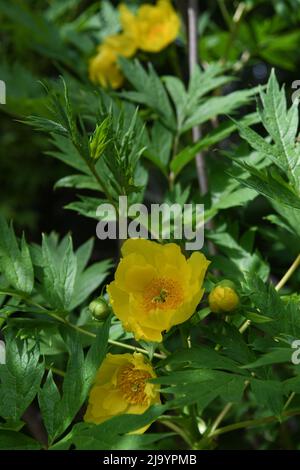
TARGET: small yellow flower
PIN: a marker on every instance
(158, 26)
(103, 67)
(223, 297)
(104, 70)
(155, 287)
(121, 387)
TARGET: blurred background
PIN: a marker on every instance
(40, 40)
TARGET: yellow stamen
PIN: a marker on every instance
(132, 384)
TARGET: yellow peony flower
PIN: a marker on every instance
(121, 386)
(158, 26)
(104, 70)
(155, 287)
(103, 67)
(223, 297)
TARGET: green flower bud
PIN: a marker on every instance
(98, 141)
(99, 308)
(223, 298)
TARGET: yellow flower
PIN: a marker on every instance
(155, 287)
(121, 386)
(223, 297)
(103, 67)
(158, 26)
(122, 44)
(104, 70)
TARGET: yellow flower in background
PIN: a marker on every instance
(121, 386)
(151, 29)
(104, 70)
(121, 44)
(103, 67)
(156, 287)
(223, 297)
(158, 26)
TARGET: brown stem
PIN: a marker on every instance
(192, 16)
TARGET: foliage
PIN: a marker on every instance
(95, 145)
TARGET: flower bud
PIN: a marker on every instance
(223, 297)
(98, 141)
(99, 309)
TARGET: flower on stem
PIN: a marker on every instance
(156, 287)
(122, 386)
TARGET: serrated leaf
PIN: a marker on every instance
(15, 259)
(20, 379)
(78, 182)
(59, 274)
(88, 281)
(10, 440)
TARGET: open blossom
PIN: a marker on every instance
(151, 29)
(122, 386)
(156, 287)
(158, 26)
(104, 70)
(103, 67)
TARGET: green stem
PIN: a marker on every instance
(56, 371)
(177, 429)
(254, 422)
(110, 341)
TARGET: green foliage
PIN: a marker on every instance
(280, 183)
(59, 411)
(20, 379)
(15, 260)
(217, 374)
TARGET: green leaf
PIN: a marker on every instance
(150, 89)
(78, 182)
(49, 401)
(271, 185)
(86, 206)
(10, 440)
(202, 386)
(159, 149)
(20, 378)
(285, 314)
(239, 258)
(216, 135)
(282, 126)
(274, 356)
(96, 355)
(88, 281)
(202, 357)
(216, 106)
(59, 274)
(67, 153)
(269, 393)
(59, 411)
(113, 433)
(15, 259)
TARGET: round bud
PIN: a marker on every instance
(223, 298)
(99, 308)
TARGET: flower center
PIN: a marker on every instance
(156, 30)
(132, 384)
(162, 293)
